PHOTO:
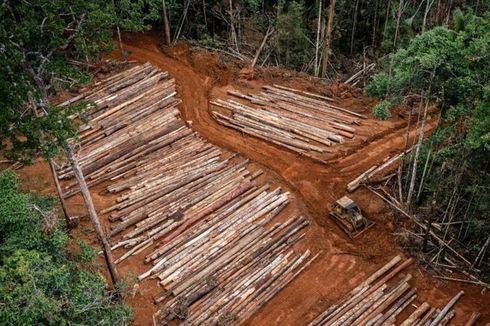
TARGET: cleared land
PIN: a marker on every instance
(312, 188)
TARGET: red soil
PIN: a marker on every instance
(343, 263)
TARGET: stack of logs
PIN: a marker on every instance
(380, 300)
(129, 115)
(199, 216)
(303, 122)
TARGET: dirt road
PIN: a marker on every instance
(343, 263)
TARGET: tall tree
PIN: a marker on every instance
(233, 34)
(46, 279)
(317, 43)
(354, 23)
(328, 38)
(39, 39)
(166, 26)
(448, 68)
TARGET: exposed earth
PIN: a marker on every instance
(343, 263)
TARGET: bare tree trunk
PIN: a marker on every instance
(269, 32)
(166, 26)
(204, 14)
(69, 222)
(328, 38)
(421, 185)
(428, 6)
(56, 181)
(354, 22)
(317, 44)
(481, 254)
(429, 221)
(398, 19)
(416, 156)
(182, 20)
(405, 148)
(387, 19)
(118, 30)
(439, 12)
(449, 10)
(106, 247)
(375, 23)
(232, 26)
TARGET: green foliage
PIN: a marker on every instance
(133, 15)
(39, 283)
(292, 43)
(38, 39)
(451, 68)
(253, 6)
(479, 127)
(382, 110)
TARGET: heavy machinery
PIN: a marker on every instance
(349, 217)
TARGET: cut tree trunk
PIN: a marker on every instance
(106, 247)
(269, 32)
(69, 221)
(52, 167)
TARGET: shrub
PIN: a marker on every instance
(41, 283)
(382, 110)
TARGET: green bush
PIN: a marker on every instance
(41, 283)
(381, 111)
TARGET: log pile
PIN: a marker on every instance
(381, 299)
(197, 216)
(303, 122)
(126, 113)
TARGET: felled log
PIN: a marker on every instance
(446, 309)
(473, 319)
(197, 212)
(422, 309)
(308, 94)
(372, 171)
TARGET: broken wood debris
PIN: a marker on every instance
(303, 122)
(360, 75)
(447, 259)
(380, 299)
(196, 215)
(374, 170)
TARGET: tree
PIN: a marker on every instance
(328, 38)
(294, 48)
(39, 39)
(166, 26)
(132, 16)
(42, 282)
(448, 68)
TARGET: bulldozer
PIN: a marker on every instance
(349, 217)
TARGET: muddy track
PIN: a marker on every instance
(342, 263)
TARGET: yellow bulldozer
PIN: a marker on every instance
(349, 217)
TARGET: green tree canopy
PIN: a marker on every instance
(41, 281)
(39, 41)
(450, 67)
